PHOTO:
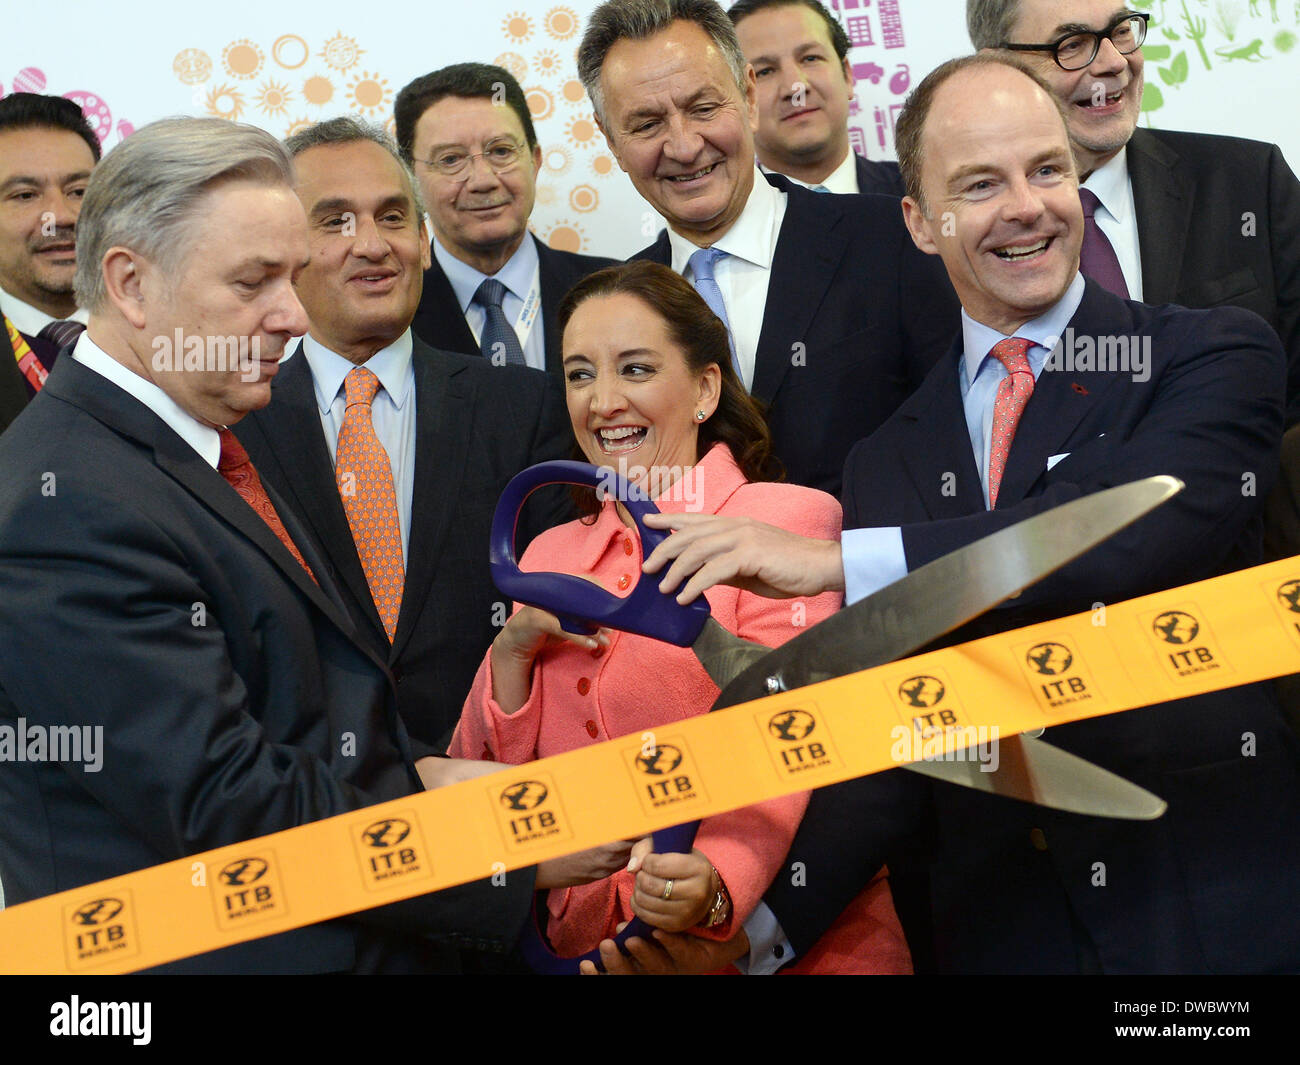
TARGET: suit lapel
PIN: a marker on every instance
(808, 252)
(443, 424)
(555, 282)
(937, 460)
(439, 319)
(1061, 400)
(292, 426)
(1162, 198)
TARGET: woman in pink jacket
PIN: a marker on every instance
(652, 394)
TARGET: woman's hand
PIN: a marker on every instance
(584, 867)
(439, 772)
(690, 896)
(524, 636)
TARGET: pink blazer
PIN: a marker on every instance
(580, 697)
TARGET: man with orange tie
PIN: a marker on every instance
(394, 453)
(47, 150)
(155, 590)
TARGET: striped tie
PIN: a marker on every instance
(62, 333)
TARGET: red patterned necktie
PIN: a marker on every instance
(365, 479)
(1013, 394)
(237, 468)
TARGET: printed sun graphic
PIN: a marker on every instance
(546, 62)
(540, 103)
(341, 52)
(242, 59)
(584, 198)
(225, 101)
(273, 97)
(514, 63)
(581, 131)
(545, 195)
(298, 125)
(573, 91)
(517, 26)
(370, 93)
(566, 236)
(603, 165)
(561, 23)
(556, 159)
(318, 90)
(192, 66)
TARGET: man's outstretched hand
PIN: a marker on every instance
(668, 954)
(708, 549)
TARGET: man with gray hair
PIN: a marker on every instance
(151, 585)
(1170, 217)
(834, 315)
(447, 431)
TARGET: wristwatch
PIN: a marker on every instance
(720, 908)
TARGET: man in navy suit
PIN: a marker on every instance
(800, 56)
(1014, 421)
(834, 316)
(467, 132)
(47, 150)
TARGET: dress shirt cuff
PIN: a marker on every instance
(873, 558)
(768, 947)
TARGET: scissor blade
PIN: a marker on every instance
(948, 592)
(1037, 772)
(724, 655)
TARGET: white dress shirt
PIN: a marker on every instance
(843, 179)
(521, 277)
(31, 320)
(1117, 217)
(744, 273)
(392, 411)
(202, 438)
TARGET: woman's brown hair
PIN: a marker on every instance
(738, 421)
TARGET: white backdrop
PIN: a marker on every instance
(1217, 66)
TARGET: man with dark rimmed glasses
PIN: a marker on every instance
(1172, 217)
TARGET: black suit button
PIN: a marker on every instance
(778, 952)
(397, 674)
(1038, 839)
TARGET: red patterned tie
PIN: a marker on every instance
(237, 468)
(1013, 394)
(365, 480)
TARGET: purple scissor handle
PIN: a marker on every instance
(580, 606)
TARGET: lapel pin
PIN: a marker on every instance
(1078, 388)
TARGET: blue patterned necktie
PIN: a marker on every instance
(499, 337)
(702, 263)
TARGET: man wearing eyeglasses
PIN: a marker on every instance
(467, 132)
(1171, 217)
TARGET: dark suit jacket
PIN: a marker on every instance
(1218, 220)
(139, 593)
(477, 425)
(855, 318)
(879, 178)
(1208, 887)
(440, 323)
(14, 394)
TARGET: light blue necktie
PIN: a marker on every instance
(497, 329)
(819, 188)
(701, 264)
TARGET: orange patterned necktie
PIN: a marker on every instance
(365, 479)
(237, 468)
(1013, 394)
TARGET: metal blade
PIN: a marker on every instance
(724, 655)
(1037, 772)
(948, 592)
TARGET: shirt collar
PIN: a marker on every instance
(202, 438)
(31, 320)
(517, 274)
(1045, 331)
(752, 236)
(1109, 183)
(843, 179)
(392, 365)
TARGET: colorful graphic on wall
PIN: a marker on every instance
(287, 83)
(94, 106)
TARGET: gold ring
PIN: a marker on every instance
(668, 890)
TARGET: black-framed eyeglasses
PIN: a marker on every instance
(502, 156)
(1077, 50)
